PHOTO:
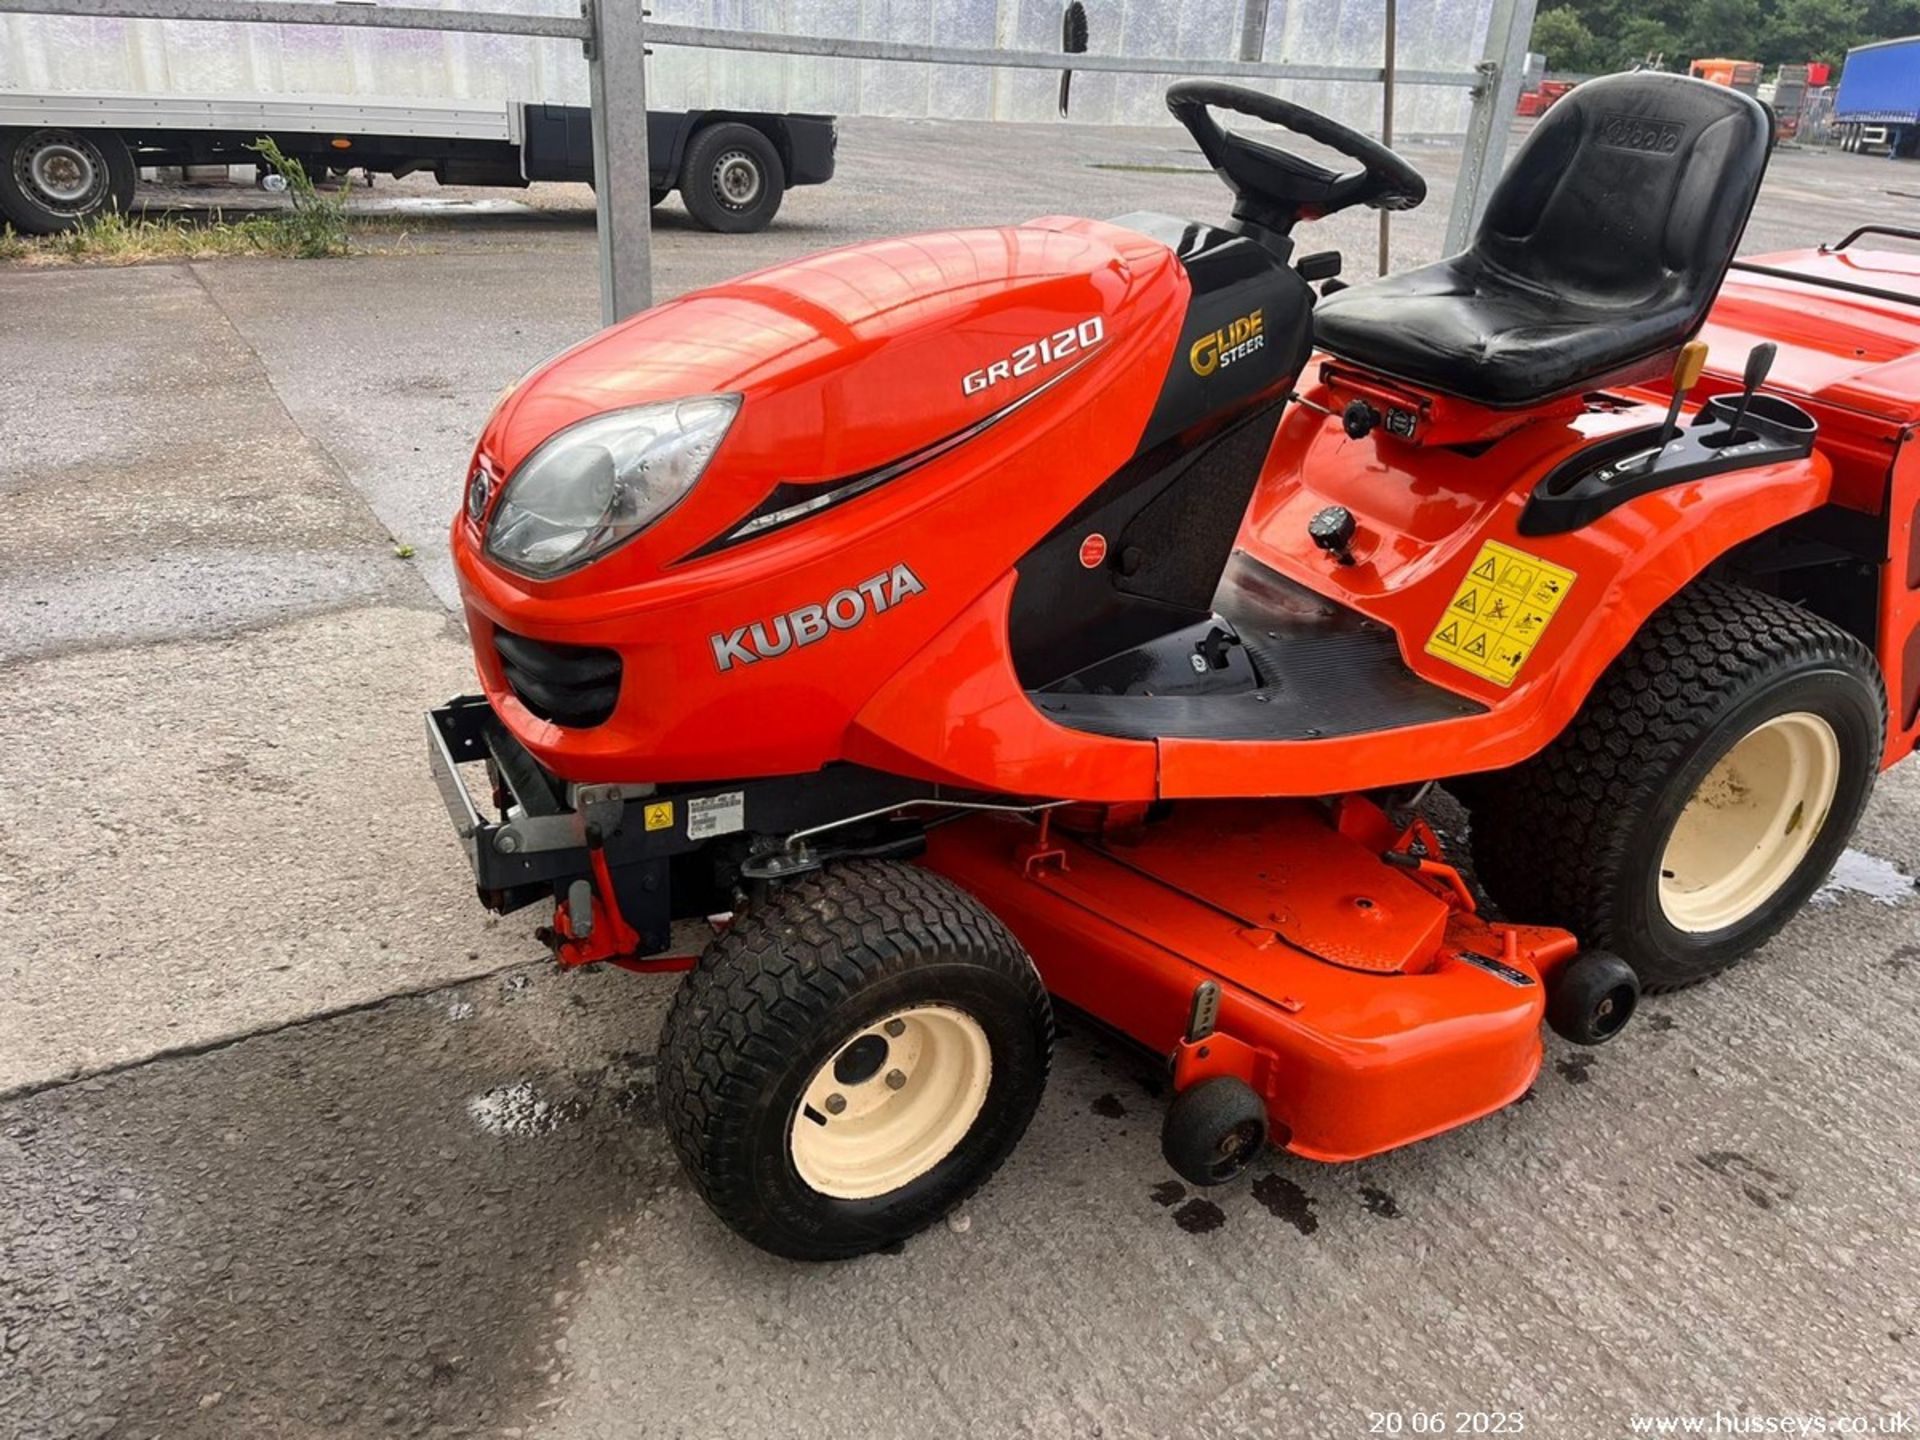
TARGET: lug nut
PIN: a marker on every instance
(895, 1079)
(835, 1104)
(896, 1028)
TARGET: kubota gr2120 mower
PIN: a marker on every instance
(1079, 609)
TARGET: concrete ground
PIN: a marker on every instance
(294, 1142)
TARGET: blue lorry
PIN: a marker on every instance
(1878, 103)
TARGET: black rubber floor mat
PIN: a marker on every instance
(1324, 671)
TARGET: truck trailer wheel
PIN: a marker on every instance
(732, 179)
(1701, 794)
(52, 180)
(852, 1059)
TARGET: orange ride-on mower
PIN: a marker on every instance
(1080, 608)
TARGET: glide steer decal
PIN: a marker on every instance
(796, 629)
(1220, 348)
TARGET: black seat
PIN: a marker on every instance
(1601, 250)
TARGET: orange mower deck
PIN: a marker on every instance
(1362, 1000)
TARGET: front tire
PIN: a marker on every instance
(1702, 793)
(852, 1059)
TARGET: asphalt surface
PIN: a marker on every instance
(293, 1142)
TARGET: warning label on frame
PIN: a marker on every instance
(1502, 607)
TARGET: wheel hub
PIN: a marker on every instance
(861, 1060)
(61, 174)
(1750, 823)
(894, 1101)
(736, 177)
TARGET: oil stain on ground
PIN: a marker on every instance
(1763, 1188)
(1379, 1202)
(1577, 1067)
(1286, 1201)
(1199, 1215)
(1168, 1192)
(1109, 1105)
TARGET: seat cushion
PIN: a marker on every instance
(1602, 249)
(1453, 327)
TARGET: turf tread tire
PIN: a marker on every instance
(1551, 839)
(759, 997)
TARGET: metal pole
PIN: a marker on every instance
(622, 183)
(310, 12)
(701, 37)
(1386, 116)
(1485, 150)
(1253, 30)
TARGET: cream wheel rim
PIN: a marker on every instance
(1750, 823)
(894, 1100)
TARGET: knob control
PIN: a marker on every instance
(1358, 419)
(1332, 530)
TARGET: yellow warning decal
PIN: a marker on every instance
(659, 815)
(1501, 609)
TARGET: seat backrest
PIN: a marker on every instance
(1632, 190)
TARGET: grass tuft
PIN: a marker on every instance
(316, 228)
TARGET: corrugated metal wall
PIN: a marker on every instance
(177, 57)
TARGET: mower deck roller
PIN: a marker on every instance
(1362, 1001)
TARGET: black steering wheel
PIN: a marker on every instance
(1275, 188)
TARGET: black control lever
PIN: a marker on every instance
(1759, 362)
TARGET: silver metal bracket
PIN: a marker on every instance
(1519, 979)
(780, 864)
(1204, 1015)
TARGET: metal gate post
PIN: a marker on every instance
(1389, 60)
(1253, 30)
(622, 187)
(1485, 149)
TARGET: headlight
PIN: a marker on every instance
(603, 481)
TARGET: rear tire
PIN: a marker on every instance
(732, 179)
(53, 180)
(852, 1059)
(1756, 722)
